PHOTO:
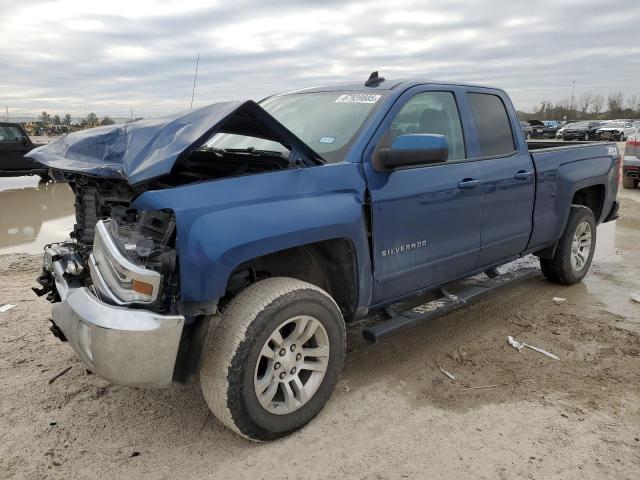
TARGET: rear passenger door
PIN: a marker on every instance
(507, 176)
(425, 219)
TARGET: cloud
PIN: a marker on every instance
(78, 56)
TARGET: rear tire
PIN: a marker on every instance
(574, 252)
(274, 359)
(629, 183)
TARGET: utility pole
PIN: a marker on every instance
(132, 117)
(573, 86)
(6, 107)
(194, 80)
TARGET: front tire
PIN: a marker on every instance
(574, 252)
(586, 137)
(274, 359)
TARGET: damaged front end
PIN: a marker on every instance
(115, 284)
(115, 301)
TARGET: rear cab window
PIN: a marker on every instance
(492, 125)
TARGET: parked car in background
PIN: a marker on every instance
(538, 128)
(582, 130)
(14, 144)
(550, 128)
(527, 130)
(544, 129)
(560, 131)
(631, 161)
(615, 131)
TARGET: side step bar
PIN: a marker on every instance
(474, 290)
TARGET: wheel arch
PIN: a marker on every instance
(330, 264)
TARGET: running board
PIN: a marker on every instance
(475, 290)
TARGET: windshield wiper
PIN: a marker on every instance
(253, 151)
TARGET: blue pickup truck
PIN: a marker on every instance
(233, 242)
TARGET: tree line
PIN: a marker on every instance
(91, 120)
(588, 106)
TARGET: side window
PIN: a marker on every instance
(432, 112)
(492, 124)
(9, 134)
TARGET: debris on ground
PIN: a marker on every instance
(450, 375)
(520, 345)
(515, 344)
(635, 297)
(6, 307)
(542, 351)
(558, 300)
(57, 376)
(484, 386)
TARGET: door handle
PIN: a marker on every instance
(522, 175)
(468, 183)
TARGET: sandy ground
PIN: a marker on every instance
(393, 415)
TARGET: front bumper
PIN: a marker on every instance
(122, 345)
(127, 346)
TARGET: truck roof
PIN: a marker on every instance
(387, 84)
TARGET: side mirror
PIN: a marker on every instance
(24, 140)
(412, 150)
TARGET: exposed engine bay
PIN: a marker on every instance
(146, 239)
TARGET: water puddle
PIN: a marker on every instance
(33, 214)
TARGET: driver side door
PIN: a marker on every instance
(426, 220)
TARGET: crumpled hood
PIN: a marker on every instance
(149, 148)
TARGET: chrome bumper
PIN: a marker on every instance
(126, 346)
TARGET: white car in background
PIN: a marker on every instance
(560, 131)
(616, 131)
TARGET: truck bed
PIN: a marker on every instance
(562, 168)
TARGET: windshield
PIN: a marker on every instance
(614, 125)
(580, 125)
(326, 121)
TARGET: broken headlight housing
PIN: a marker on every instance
(131, 260)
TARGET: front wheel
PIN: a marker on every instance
(274, 359)
(586, 137)
(574, 252)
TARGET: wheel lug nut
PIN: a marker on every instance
(298, 356)
(293, 348)
(283, 352)
(277, 366)
(282, 375)
(293, 371)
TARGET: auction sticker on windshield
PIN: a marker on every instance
(358, 98)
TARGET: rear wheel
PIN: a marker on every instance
(273, 361)
(574, 252)
(629, 183)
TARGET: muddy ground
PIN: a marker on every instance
(393, 415)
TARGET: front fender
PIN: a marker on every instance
(224, 223)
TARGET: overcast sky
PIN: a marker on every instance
(79, 56)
